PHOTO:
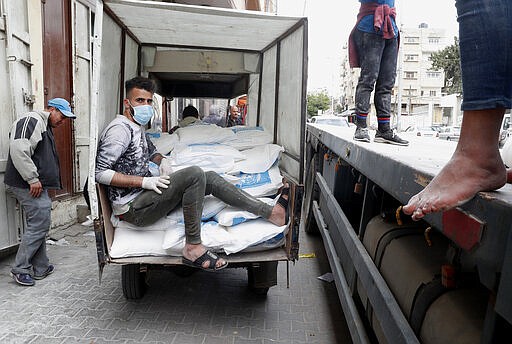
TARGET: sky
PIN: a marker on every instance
(330, 23)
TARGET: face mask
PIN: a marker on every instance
(142, 113)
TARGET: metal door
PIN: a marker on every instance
(83, 20)
(15, 99)
(58, 81)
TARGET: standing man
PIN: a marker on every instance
(234, 117)
(373, 46)
(32, 169)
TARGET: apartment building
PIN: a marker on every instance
(417, 92)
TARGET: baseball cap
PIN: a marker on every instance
(62, 105)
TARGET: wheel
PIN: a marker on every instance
(262, 276)
(310, 193)
(133, 281)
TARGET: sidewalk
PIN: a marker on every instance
(70, 306)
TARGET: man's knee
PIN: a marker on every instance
(195, 175)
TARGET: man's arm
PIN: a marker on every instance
(113, 144)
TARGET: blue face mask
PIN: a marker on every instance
(142, 113)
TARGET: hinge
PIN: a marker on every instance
(28, 99)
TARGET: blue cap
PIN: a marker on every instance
(62, 105)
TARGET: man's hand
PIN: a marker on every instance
(165, 167)
(153, 183)
(36, 189)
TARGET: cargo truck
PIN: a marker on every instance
(195, 52)
(444, 279)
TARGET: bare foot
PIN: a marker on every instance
(459, 181)
(192, 252)
(278, 216)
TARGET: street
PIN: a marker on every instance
(70, 306)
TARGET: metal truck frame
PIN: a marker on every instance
(347, 183)
(195, 51)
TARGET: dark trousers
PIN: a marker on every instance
(188, 188)
(377, 57)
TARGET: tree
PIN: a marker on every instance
(317, 101)
(448, 60)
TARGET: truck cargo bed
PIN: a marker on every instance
(349, 182)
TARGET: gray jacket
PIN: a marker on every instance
(32, 153)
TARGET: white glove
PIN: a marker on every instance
(165, 167)
(153, 183)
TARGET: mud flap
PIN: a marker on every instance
(262, 276)
(100, 247)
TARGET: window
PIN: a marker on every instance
(410, 75)
(411, 57)
(412, 40)
(433, 40)
(410, 92)
(433, 93)
(433, 75)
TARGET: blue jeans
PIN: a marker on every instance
(377, 58)
(485, 30)
(31, 257)
(188, 188)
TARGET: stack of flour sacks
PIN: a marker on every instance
(244, 156)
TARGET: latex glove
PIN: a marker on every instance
(165, 167)
(153, 183)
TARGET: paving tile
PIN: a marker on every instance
(129, 334)
(247, 341)
(98, 333)
(189, 339)
(71, 306)
(155, 336)
(209, 339)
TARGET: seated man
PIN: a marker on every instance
(122, 163)
(190, 116)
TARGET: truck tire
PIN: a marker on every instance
(310, 194)
(133, 281)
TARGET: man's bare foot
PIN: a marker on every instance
(192, 252)
(459, 181)
(278, 216)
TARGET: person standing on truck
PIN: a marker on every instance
(476, 165)
(122, 163)
(373, 46)
(32, 169)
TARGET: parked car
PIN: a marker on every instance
(423, 131)
(505, 130)
(330, 120)
(450, 133)
(350, 115)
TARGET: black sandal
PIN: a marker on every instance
(208, 256)
(284, 202)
